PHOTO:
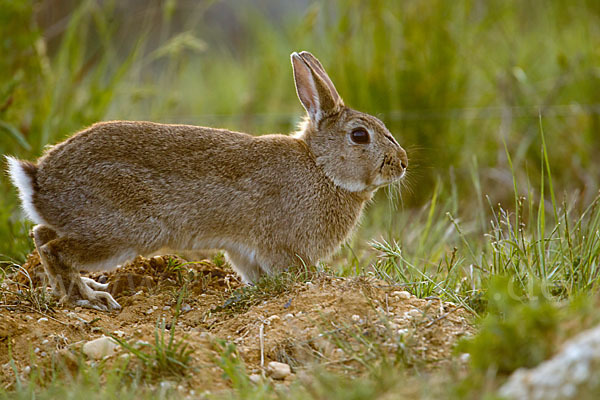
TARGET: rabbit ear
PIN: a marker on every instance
(315, 90)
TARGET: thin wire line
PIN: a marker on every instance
(431, 114)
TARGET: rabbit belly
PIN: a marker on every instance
(113, 262)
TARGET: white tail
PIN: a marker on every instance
(24, 183)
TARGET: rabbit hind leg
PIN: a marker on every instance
(63, 257)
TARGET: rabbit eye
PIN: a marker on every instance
(360, 136)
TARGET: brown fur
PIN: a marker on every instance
(118, 189)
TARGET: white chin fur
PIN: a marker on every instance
(352, 186)
(23, 182)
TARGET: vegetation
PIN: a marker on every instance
(495, 101)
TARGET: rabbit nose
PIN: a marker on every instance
(403, 158)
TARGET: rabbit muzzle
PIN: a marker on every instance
(392, 168)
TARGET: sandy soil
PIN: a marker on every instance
(330, 321)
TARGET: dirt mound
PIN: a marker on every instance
(321, 319)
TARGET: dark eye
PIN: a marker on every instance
(360, 136)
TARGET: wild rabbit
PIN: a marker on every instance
(119, 189)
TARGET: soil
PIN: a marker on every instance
(329, 321)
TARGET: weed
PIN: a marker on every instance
(166, 356)
(17, 294)
(268, 286)
(520, 330)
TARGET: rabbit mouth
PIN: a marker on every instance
(390, 170)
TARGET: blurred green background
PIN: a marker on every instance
(460, 84)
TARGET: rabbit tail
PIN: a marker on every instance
(23, 176)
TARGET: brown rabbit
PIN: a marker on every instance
(119, 189)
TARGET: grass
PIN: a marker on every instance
(496, 103)
(17, 294)
(267, 287)
(166, 357)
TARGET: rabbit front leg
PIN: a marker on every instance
(243, 261)
(62, 258)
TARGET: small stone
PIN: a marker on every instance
(288, 316)
(356, 318)
(273, 318)
(119, 333)
(26, 370)
(186, 307)
(149, 311)
(45, 341)
(159, 261)
(255, 378)
(464, 357)
(402, 295)
(99, 348)
(166, 385)
(43, 319)
(277, 370)
(166, 308)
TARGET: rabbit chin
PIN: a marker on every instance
(381, 182)
(352, 186)
(358, 186)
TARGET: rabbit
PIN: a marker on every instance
(120, 189)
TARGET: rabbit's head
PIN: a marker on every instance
(355, 150)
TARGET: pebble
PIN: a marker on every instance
(256, 378)
(273, 318)
(99, 348)
(159, 261)
(402, 295)
(166, 385)
(26, 370)
(186, 307)
(288, 316)
(277, 370)
(166, 308)
(149, 311)
(119, 333)
(43, 319)
(45, 341)
(356, 317)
